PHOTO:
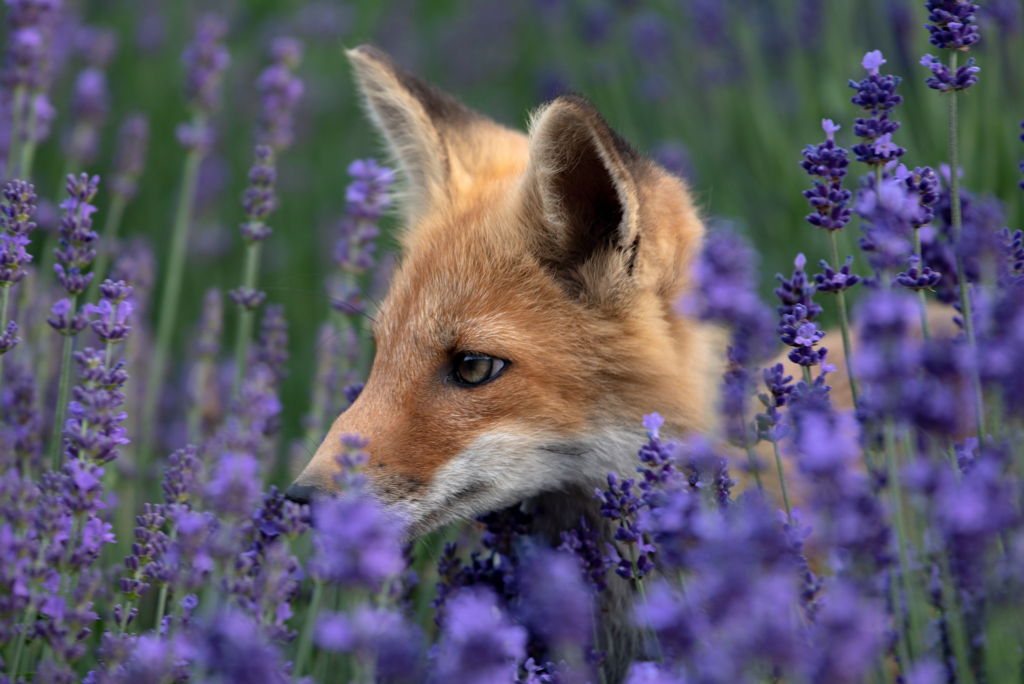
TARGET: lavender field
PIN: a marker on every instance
(198, 226)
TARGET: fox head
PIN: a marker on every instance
(532, 320)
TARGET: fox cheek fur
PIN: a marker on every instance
(562, 254)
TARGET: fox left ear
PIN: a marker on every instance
(582, 173)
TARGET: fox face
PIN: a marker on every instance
(532, 320)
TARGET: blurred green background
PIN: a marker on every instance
(727, 91)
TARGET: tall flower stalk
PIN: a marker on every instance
(827, 164)
(280, 92)
(952, 30)
(131, 158)
(74, 255)
(205, 60)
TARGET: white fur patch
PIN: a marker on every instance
(502, 467)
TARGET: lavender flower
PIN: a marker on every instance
(280, 92)
(259, 201)
(229, 648)
(76, 235)
(93, 431)
(876, 94)
(478, 645)
(234, 485)
(555, 602)
(951, 27)
(621, 504)
(827, 164)
(917, 278)
(89, 107)
(113, 311)
(798, 331)
(272, 351)
(382, 641)
(133, 139)
(584, 541)
(20, 421)
(366, 198)
(356, 541)
(205, 61)
(834, 281)
(797, 290)
(15, 221)
(945, 80)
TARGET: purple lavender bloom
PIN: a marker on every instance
(64, 321)
(382, 640)
(89, 107)
(674, 156)
(93, 430)
(76, 235)
(366, 199)
(833, 281)
(555, 602)
(247, 297)
(889, 214)
(229, 648)
(234, 485)
(478, 645)
(725, 293)
(180, 483)
(827, 164)
(584, 541)
(259, 201)
(133, 139)
(15, 222)
(652, 673)
(849, 636)
(917, 278)
(706, 471)
(113, 311)
(876, 94)
(20, 422)
(887, 359)
(357, 542)
(205, 59)
(272, 350)
(951, 24)
(797, 290)
(31, 26)
(650, 38)
(799, 331)
(945, 80)
(280, 91)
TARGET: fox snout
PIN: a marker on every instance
(532, 320)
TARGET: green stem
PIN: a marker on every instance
(957, 626)
(961, 273)
(844, 323)
(806, 370)
(28, 149)
(922, 301)
(896, 502)
(114, 214)
(643, 600)
(169, 298)
(597, 644)
(62, 392)
(245, 315)
(14, 149)
(19, 648)
(127, 615)
(306, 639)
(782, 475)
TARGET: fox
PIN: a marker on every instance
(531, 322)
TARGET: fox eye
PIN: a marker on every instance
(476, 369)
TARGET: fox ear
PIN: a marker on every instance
(581, 172)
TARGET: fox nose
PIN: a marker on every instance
(301, 494)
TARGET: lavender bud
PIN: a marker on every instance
(205, 60)
(133, 139)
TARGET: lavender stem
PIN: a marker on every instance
(28, 149)
(782, 477)
(245, 315)
(12, 152)
(961, 273)
(114, 214)
(171, 294)
(925, 329)
(306, 639)
(844, 325)
(62, 393)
